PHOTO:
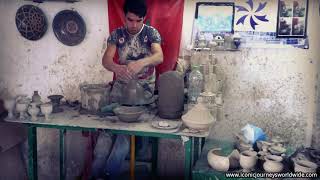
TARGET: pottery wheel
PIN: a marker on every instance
(69, 27)
(31, 22)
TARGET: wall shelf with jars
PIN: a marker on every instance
(205, 79)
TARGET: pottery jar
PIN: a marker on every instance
(171, 95)
(305, 166)
(36, 98)
(9, 104)
(248, 160)
(273, 163)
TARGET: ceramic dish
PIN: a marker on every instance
(166, 124)
(129, 113)
(277, 150)
(69, 27)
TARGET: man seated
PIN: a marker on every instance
(139, 51)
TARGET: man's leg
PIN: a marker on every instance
(101, 152)
(142, 145)
(24, 146)
(117, 156)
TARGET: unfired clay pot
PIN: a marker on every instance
(273, 163)
(199, 117)
(9, 104)
(305, 166)
(217, 162)
(21, 108)
(171, 95)
(33, 110)
(223, 163)
(248, 160)
(46, 109)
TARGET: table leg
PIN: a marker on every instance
(187, 161)
(132, 156)
(202, 142)
(32, 153)
(154, 157)
(62, 154)
(196, 149)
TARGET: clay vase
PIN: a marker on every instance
(36, 98)
(171, 95)
(273, 163)
(55, 100)
(33, 110)
(46, 109)
(199, 117)
(9, 104)
(21, 108)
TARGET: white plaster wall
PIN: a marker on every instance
(47, 65)
(51, 67)
(271, 87)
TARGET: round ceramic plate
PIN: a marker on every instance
(31, 22)
(69, 27)
(165, 124)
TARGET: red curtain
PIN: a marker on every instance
(166, 16)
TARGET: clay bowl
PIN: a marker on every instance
(277, 150)
(305, 166)
(128, 113)
(218, 162)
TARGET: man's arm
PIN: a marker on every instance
(121, 71)
(153, 60)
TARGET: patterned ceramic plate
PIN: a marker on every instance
(69, 27)
(31, 22)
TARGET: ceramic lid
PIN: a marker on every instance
(199, 114)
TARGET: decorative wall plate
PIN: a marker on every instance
(69, 27)
(31, 22)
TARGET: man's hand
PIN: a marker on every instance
(123, 73)
(136, 66)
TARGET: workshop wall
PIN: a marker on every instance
(271, 86)
(51, 67)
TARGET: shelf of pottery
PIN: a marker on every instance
(23, 108)
(213, 78)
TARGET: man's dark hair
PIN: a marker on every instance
(137, 7)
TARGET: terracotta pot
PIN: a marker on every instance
(248, 160)
(273, 163)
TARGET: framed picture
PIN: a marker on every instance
(292, 18)
(214, 17)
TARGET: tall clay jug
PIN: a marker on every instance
(171, 95)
